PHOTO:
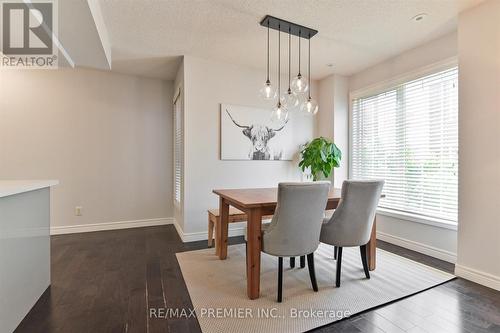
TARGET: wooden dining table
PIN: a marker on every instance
(256, 203)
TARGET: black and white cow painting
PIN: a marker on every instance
(249, 135)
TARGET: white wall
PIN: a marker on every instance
(107, 137)
(341, 127)
(324, 124)
(479, 144)
(432, 240)
(333, 119)
(207, 84)
(429, 53)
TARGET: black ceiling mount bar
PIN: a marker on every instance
(285, 26)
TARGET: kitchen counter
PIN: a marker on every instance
(24, 247)
(11, 187)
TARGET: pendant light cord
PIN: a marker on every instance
(279, 61)
(267, 51)
(289, 57)
(299, 49)
(309, 67)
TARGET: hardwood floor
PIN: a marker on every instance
(106, 282)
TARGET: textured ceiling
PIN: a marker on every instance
(353, 34)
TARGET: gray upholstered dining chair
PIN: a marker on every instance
(295, 227)
(352, 221)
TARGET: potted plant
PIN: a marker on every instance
(321, 156)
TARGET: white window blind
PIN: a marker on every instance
(408, 135)
(178, 146)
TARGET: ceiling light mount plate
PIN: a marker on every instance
(286, 26)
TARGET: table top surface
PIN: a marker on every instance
(261, 197)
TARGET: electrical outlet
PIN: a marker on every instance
(78, 211)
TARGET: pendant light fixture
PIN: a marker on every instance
(298, 94)
(267, 92)
(280, 112)
(289, 99)
(299, 83)
(310, 107)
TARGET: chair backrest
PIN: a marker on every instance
(296, 224)
(352, 221)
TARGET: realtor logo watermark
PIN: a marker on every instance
(27, 34)
(248, 313)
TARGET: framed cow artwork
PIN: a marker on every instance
(247, 133)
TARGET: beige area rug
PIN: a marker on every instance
(218, 289)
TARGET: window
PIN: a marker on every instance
(178, 136)
(408, 135)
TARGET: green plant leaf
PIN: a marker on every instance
(321, 155)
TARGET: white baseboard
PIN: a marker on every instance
(419, 247)
(486, 279)
(178, 229)
(71, 229)
(187, 237)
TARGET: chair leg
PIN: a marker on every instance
(339, 266)
(302, 261)
(364, 259)
(335, 250)
(312, 273)
(292, 262)
(210, 232)
(280, 279)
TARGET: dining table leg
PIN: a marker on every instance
(222, 228)
(254, 241)
(372, 247)
(217, 236)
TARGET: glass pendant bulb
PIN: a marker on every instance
(299, 84)
(289, 100)
(267, 92)
(279, 115)
(301, 101)
(310, 107)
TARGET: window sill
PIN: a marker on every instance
(417, 218)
